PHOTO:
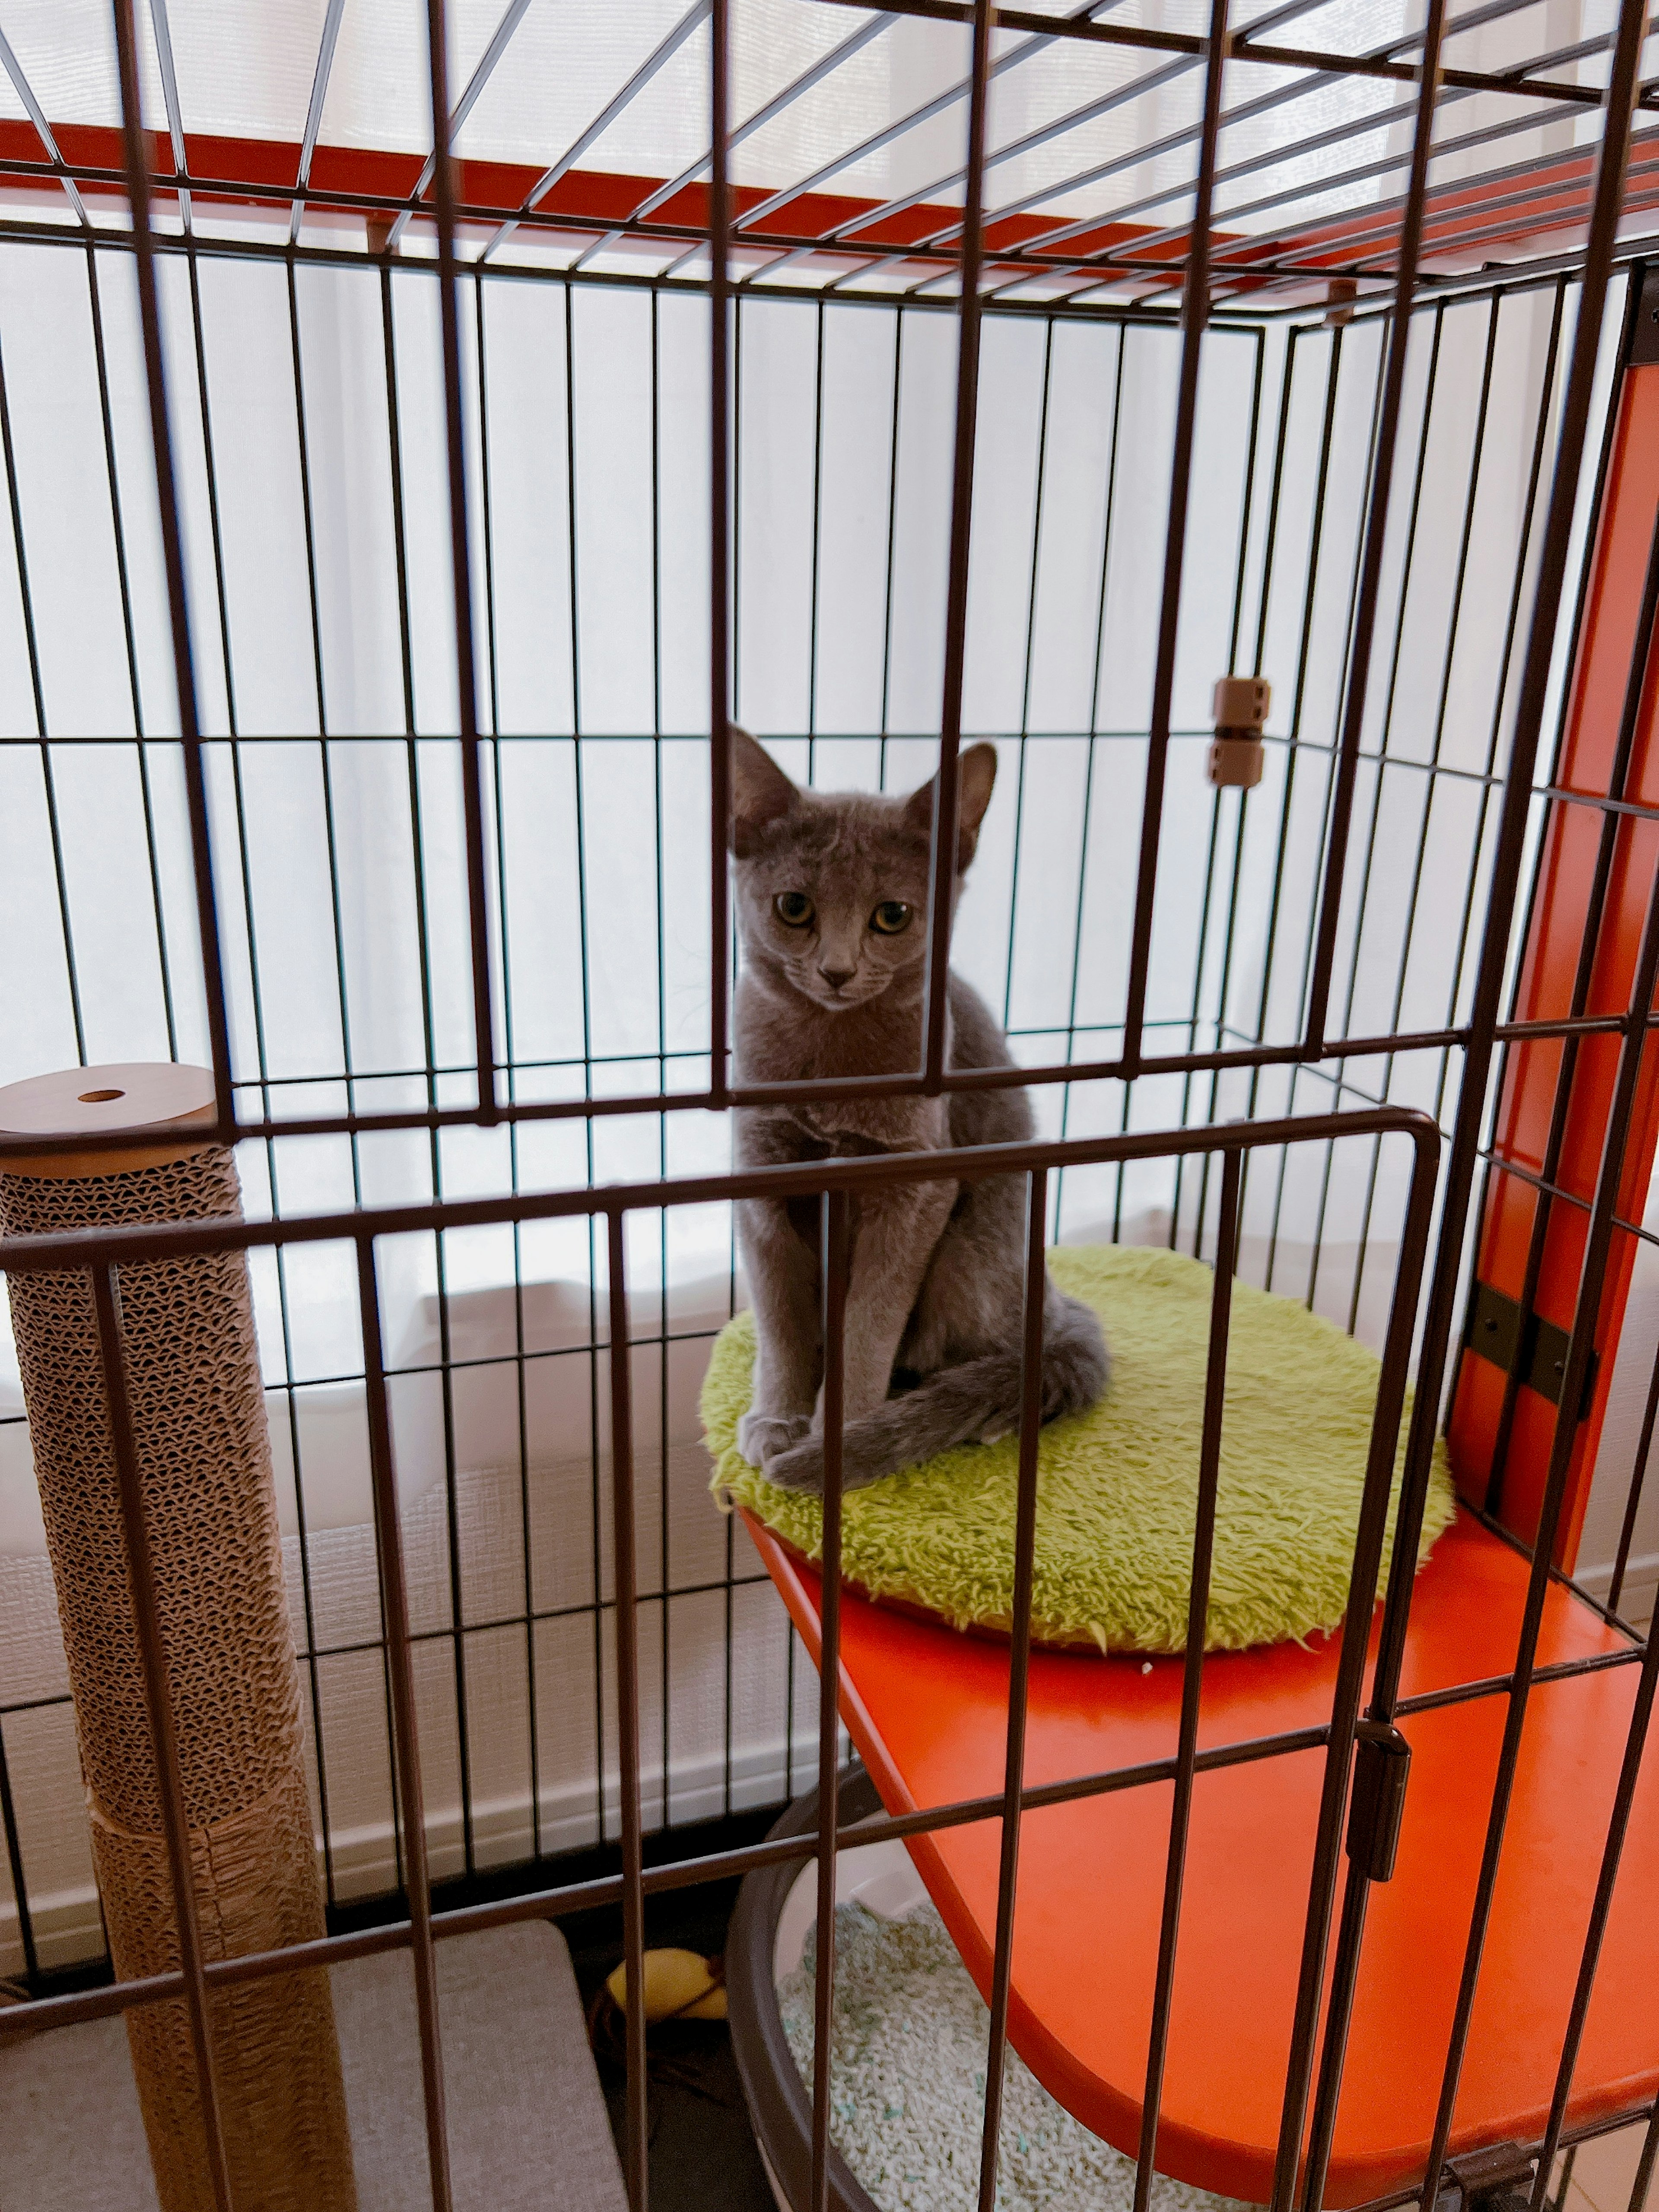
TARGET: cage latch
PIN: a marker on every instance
(1498, 2178)
(1497, 1330)
(1381, 1764)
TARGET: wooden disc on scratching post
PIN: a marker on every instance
(204, 1464)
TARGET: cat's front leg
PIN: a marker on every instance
(898, 1228)
(764, 1437)
(898, 1231)
(783, 1286)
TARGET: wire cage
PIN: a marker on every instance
(394, 536)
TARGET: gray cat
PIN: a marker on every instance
(831, 900)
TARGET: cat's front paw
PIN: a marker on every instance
(800, 1467)
(762, 1437)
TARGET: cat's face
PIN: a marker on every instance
(832, 887)
(836, 896)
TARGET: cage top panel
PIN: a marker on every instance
(583, 137)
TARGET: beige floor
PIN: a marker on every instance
(527, 2125)
(1604, 2173)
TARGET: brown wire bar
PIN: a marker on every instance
(164, 1734)
(1019, 1671)
(394, 1599)
(942, 853)
(836, 1252)
(1194, 316)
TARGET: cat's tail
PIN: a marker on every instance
(974, 1403)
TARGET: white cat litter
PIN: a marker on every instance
(908, 2069)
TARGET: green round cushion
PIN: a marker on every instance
(1117, 1485)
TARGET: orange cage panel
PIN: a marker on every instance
(1575, 874)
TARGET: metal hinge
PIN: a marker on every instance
(1381, 1767)
(1498, 2178)
(1644, 325)
(1495, 1330)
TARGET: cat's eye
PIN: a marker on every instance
(793, 907)
(890, 916)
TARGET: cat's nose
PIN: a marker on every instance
(835, 977)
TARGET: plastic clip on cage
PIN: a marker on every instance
(1240, 708)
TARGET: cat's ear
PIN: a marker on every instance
(976, 776)
(976, 773)
(761, 792)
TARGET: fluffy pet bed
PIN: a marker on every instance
(1118, 1484)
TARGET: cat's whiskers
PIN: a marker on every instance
(859, 992)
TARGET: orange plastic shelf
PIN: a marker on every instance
(927, 1710)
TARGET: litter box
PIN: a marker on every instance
(776, 1907)
(914, 2154)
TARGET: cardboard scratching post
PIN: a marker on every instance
(204, 1462)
